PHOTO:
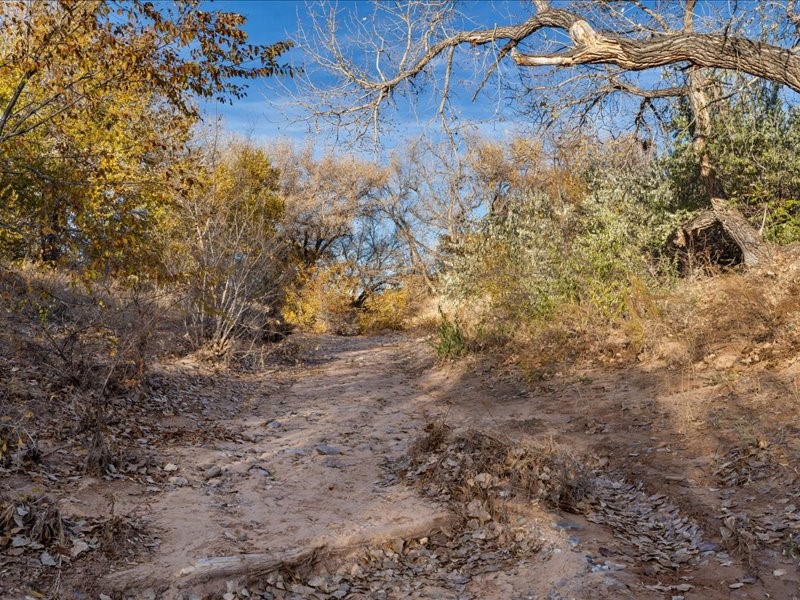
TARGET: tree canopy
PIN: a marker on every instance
(98, 99)
(554, 60)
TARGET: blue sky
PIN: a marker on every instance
(266, 112)
(268, 21)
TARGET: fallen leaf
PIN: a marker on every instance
(78, 547)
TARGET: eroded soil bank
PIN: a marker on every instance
(296, 482)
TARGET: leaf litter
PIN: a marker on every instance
(36, 532)
(486, 481)
(483, 478)
(496, 470)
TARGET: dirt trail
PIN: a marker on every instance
(280, 477)
(305, 469)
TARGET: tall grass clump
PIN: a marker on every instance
(450, 340)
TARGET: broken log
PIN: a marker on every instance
(717, 238)
(211, 573)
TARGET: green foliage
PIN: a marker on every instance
(756, 151)
(450, 339)
(539, 258)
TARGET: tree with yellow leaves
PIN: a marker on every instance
(97, 102)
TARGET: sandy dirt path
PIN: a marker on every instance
(305, 466)
(283, 473)
(305, 469)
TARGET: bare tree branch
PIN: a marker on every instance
(688, 16)
(701, 50)
(793, 15)
(629, 37)
(653, 15)
(617, 84)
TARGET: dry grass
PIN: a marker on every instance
(738, 539)
(86, 344)
(729, 311)
(436, 434)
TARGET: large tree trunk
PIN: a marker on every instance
(753, 248)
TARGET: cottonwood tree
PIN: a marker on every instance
(425, 197)
(59, 56)
(97, 101)
(373, 256)
(433, 198)
(323, 197)
(337, 211)
(577, 58)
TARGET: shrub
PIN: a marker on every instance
(388, 309)
(536, 260)
(320, 300)
(558, 271)
(227, 248)
(325, 299)
(93, 340)
(450, 341)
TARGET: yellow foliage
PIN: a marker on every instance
(322, 301)
(321, 298)
(97, 102)
(389, 309)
